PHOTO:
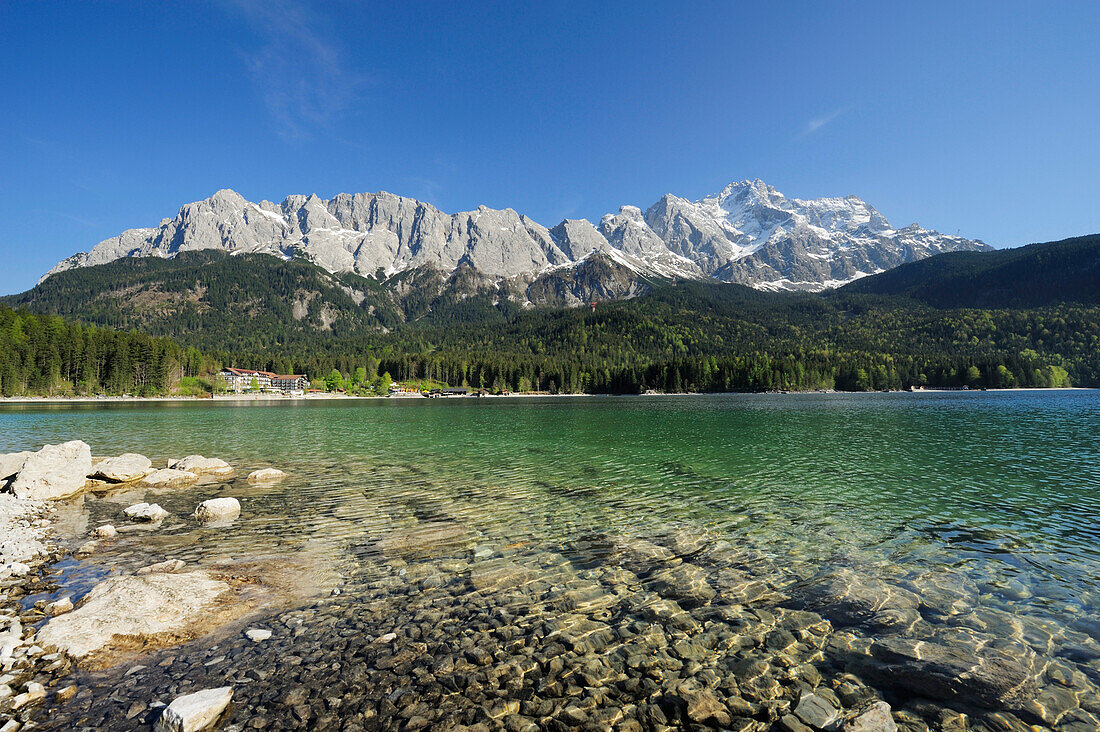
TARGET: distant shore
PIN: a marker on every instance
(272, 398)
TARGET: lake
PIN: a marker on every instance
(629, 562)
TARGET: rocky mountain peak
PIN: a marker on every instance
(749, 232)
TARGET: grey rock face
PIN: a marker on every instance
(748, 233)
(752, 234)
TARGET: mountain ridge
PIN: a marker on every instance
(748, 233)
(1035, 275)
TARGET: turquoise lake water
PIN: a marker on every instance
(999, 492)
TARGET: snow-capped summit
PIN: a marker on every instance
(753, 234)
(748, 233)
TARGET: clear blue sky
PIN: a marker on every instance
(978, 118)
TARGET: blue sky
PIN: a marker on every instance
(976, 118)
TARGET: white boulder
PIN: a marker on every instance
(218, 509)
(88, 547)
(58, 607)
(257, 635)
(193, 712)
(266, 475)
(200, 465)
(122, 469)
(169, 478)
(150, 605)
(106, 531)
(151, 512)
(55, 471)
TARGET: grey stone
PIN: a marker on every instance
(848, 598)
(979, 675)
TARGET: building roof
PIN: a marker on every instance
(289, 377)
(249, 372)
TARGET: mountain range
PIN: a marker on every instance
(749, 233)
(1024, 317)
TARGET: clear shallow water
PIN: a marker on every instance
(994, 494)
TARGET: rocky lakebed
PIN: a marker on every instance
(132, 597)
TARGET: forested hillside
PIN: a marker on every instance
(43, 355)
(1033, 276)
(722, 338)
(906, 327)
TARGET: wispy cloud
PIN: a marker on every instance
(817, 123)
(303, 80)
(61, 214)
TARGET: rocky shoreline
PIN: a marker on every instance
(162, 604)
(437, 627)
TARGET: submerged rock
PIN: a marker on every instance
(422, 538)
(641, 556)
(945, 669)
(122, 469)
(169, 566)
(55, 471)
(848, 598)
(87, 548)
(266, 475)
(197, 711)
(817, 713)
(200, 465)
(685, 583)
(148, 512)
(169, 478)
(127, 611)
(494, 576)
(218, 509)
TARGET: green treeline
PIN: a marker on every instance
(706, 339)
(44, 355)
(691, 337)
